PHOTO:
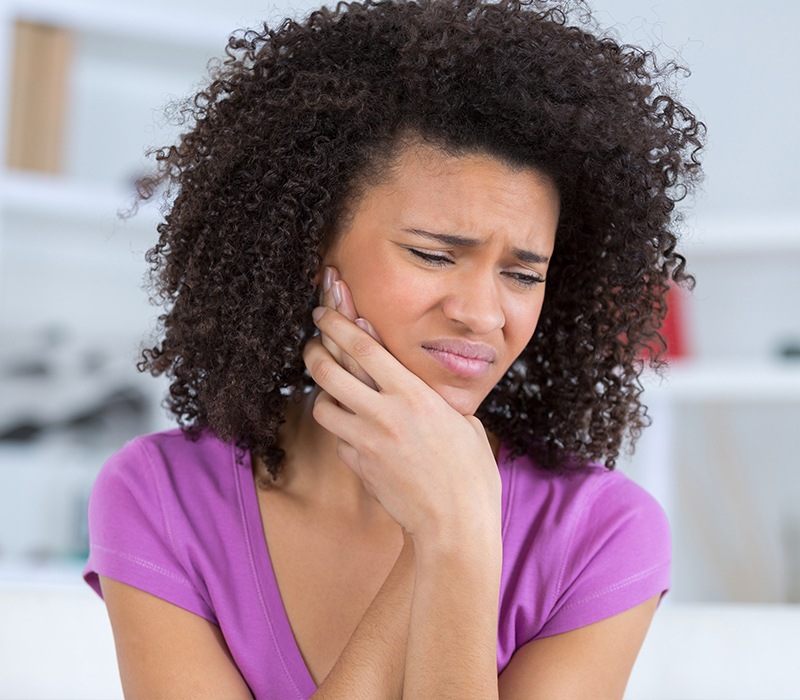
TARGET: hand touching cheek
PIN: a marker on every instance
(431, 468)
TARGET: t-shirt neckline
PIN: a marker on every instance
(278, 620)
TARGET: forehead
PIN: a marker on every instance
(424, 186)
(415, 157)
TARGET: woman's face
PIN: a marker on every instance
(446, 259)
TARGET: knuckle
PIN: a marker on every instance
(311, 345)
(321, 370)
(319, 411)
(317, 408)
(342, 451)
(423, 400)
(363, 347)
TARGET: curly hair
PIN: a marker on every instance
(295, 121)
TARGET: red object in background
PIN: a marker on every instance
(674, 328)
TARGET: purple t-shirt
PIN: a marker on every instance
(181, 520)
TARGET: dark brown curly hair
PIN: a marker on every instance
(294, 122)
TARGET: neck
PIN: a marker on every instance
(312, 472)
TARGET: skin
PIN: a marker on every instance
(387, 459)
(481, 292)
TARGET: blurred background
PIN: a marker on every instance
(84, 85)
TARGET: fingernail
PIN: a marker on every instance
(318, 313)
(327, 279)
(337, 293)
(365, 326)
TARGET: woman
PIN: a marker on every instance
(410, 502)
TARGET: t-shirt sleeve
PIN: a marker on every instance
(130, 533)
(618, 556)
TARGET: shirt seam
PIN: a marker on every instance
(617, 586)
(144, 448)
(558, 590)
(145, 563)
(164, 518)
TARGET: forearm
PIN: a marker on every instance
(452, 644)
(371, 667)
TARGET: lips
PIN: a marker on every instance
(462, 357)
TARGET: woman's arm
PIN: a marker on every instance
(164, 651)
(453, 627)
(452, 645)
(434, 472)
(372, 664)
(589, 663)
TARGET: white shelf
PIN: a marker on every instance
(743, 235)
(56, 196)
(703, 382)
(23, 571)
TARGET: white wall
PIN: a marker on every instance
(86, 277)
(744, 67)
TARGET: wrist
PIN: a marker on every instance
(466, 544)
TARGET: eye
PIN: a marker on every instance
(525, 280)
(430, 258)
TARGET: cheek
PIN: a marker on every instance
(378, 291)
(521, 323)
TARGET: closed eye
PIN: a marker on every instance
(430, 258)
(525, 280)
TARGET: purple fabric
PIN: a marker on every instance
(181, 520)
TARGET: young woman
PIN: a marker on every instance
(394, 473)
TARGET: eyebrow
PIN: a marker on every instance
(526, 256)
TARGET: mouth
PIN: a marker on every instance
(462, 357)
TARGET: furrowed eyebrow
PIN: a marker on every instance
(446, 238)
(526, 256)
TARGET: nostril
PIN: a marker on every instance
(480, 310)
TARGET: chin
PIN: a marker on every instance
(462, 400)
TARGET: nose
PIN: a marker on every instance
(475, 304)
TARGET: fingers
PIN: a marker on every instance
(327, 299)
(366, 351)
(335, 294)
(346, 306)
(333, 415)
(335, 380)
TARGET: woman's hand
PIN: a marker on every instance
(431, 468)
(335, 294)
(433, 471)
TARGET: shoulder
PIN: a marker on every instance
(591, 502)
(170, 449)
(168, 464)
(168, 480)
(157, 511)
(579, 547)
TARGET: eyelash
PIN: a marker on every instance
(435, 260)
(526, 281)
